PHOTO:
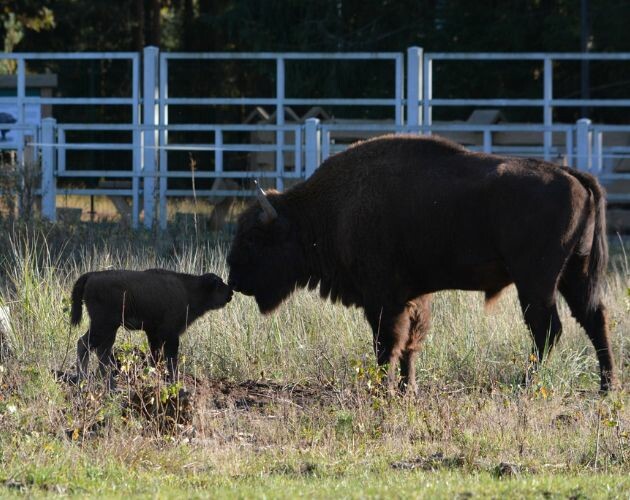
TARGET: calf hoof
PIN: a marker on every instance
(68, 378)
(110, 384)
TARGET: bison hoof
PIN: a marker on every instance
(608, 383)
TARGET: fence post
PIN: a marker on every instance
(149, 134)
(136, 139)
(583, 137)
(547, 109)
(597, 158)
(487, 141)
(427, 94)
(312, 148)
(280, 95)
(49, 182)
(414, 86)
(21, 108)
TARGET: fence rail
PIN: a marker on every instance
(296, 149)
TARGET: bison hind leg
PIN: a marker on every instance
(576, 289)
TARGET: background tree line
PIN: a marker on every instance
(326, 25)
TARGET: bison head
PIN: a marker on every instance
(266, 259)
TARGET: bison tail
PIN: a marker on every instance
(599, 251)
(77, 299)
(598, 258)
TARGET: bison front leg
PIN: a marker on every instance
(543, 321)
(419, 313)
(407, 381)
(576, 289)
(390, 333)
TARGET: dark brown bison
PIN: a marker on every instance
(162, 303)
(391, 220)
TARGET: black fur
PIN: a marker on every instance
(160, 302)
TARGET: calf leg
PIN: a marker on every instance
(83, 356)
(101, 338)
(106, 362)
(156, 345)
(171, 348)
(162, 343)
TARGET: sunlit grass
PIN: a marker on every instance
(563, 436)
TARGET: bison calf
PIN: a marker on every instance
(162, 303)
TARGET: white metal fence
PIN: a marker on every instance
(582, 144)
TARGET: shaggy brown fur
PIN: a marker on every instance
(162, 303)
(391, 220)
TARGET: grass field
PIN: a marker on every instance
(290, 404)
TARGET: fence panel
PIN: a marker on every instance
(296, 148)
(51, 130)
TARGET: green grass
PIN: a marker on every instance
(343, 436)
(358, 480)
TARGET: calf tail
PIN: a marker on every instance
(598, 258)
(77, 299)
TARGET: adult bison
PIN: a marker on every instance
(391, 220)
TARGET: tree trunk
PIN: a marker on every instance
(155, 23)
(187, 25)
(139, 35)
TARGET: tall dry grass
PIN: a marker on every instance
(471, 410)
(306, 338)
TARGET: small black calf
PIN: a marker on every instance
(160, 302)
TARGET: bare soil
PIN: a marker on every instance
(258, 395)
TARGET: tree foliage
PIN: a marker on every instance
(339, 25)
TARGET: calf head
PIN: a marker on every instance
(217, 293)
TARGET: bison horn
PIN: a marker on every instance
(269, 213)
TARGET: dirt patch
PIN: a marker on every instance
(257, 395)
(170, 408)
(150, 394)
